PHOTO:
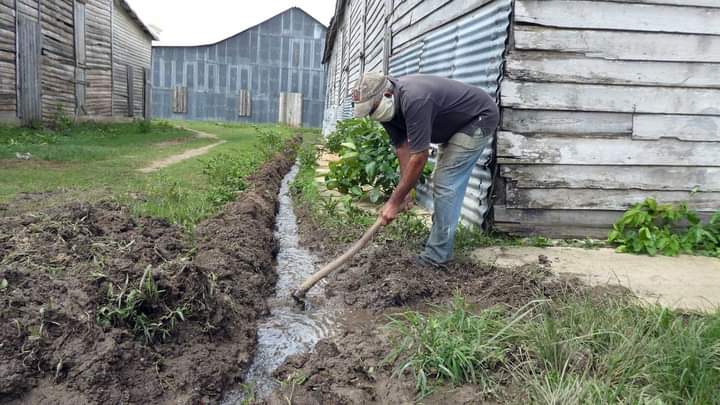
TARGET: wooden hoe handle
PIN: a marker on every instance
(335, 264)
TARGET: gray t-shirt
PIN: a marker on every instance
(431, 109)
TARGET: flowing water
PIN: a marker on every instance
(288, 329)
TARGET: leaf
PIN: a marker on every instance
(349, 155)
(3, 284)
(349, 145)
(651, 203)
(614, 235)
(371, 169)
(375, 195)
(356, 191)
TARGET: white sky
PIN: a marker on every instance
(197, 22)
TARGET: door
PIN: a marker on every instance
(290, 111)
(80, 59)
(29, 43)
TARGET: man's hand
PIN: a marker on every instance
(390, 211)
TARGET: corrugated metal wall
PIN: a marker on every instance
(470, 50)
(280, 55)
(459, 40)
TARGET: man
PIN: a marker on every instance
(418, 110)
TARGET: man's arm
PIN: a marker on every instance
(410, 172)
(403, 154)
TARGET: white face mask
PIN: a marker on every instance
(385, 110)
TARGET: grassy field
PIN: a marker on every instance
(94, 161)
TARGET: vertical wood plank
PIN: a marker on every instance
(80, 59)
(130, 92)
(147, 108)
(29, 46)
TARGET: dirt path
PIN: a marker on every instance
(684, 282)
(188, 154)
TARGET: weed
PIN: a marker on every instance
(144, 126)
(248, 394)
(226, 175)
(141, 310)
(537, 241)
(454, 346)
(61, 121)
(568, 351)
(270, 140)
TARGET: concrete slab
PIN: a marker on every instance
(684, 282)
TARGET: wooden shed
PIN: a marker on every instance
(63, 57)
(604, 103)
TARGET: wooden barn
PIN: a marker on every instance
(604, 103)
(87, 59)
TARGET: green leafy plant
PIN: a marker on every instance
(666, 229)
(368, 166)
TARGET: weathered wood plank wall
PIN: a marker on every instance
(58, 58)
(74, 62)
(606, 103)
(98, 93)
(132, 49)
(8, 78)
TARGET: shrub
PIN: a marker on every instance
(654, 228)
(367, 160)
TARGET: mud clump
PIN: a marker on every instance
(74, 329)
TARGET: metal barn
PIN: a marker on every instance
(603, 103)
(271, 72)
(72, 56)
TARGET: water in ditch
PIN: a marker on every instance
(288, 329)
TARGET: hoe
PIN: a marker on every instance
(299, 294)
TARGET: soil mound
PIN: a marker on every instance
(100, 307)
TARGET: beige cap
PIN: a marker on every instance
(368, 89)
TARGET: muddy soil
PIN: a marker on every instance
(63, 267)
(381, 281)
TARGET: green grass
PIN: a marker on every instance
(93, 161)
(570, 351)
(192, 190)
(85, 157)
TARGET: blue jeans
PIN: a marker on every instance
(455, 163)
